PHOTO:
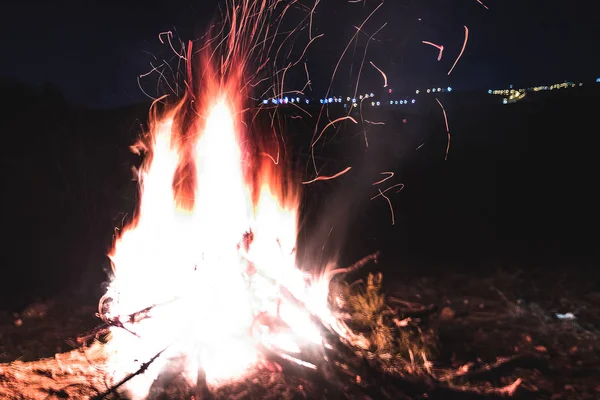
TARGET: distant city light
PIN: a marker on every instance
(390, 90)
(396, 102)
(321, 101)
(354, 105)
(505, 101)
(360, 97)
(428, 90)
(391, 101)
(354, 101)
(372, 95)
(597, 81)
(274, 101)
(372, 104)
(490, 91)
(378, 103)
(307, 101)
(265, 101)
(417, 92)
(348, 98)
(330, 100)
(433, 90)
(285, 100)
(413, 101)
(293, 100)
(439, 90)
(449, 89)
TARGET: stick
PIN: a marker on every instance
(356, 266)
(116, 322)
(129, 377)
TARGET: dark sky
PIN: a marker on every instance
(95, 50)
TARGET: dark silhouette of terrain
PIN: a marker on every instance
(518, 186)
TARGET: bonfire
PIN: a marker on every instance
(206, 287)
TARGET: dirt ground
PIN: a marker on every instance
(552, 318)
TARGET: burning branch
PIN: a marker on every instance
(354, 267)
(113, 389)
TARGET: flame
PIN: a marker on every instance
(211, 250)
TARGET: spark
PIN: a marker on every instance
(169, 35)
(306, 48)
(283, 77)
(390, 175)
(421, 145)
(311, 19)
(447, 128)
(259, 82)
(390, 204)
(301, 109)
(332, 123)
(335, 72)
(151, 71)
(382, 73)
(462, 50)
(365, 55)
(276, 162)
(388, 189)
(143, 91)
(374, 123)
(437, 46)
(326, 178)
(307, 77)
(295, 116)
(486, 7)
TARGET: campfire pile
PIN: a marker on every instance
(387, 355)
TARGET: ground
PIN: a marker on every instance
(549, 317)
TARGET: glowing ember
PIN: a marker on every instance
(211, 251)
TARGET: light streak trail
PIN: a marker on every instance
(447, 128)
(437, 46)
(385, 83)
(486, 7)
(335, 72)
(276, 162)
(169, 35)
(462, 50)
(311, 19)
(307, 77)
(390, 175)
(388, 189)
(365, 56)
(326, 178)
(390, 204)
(306, 48)
(332, 123)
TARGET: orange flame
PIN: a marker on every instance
(213, 242)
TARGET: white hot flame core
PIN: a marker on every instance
(190, 265)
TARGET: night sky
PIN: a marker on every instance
(95, 50)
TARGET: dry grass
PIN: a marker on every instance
(398, 344)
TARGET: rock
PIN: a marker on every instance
(447, 313)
